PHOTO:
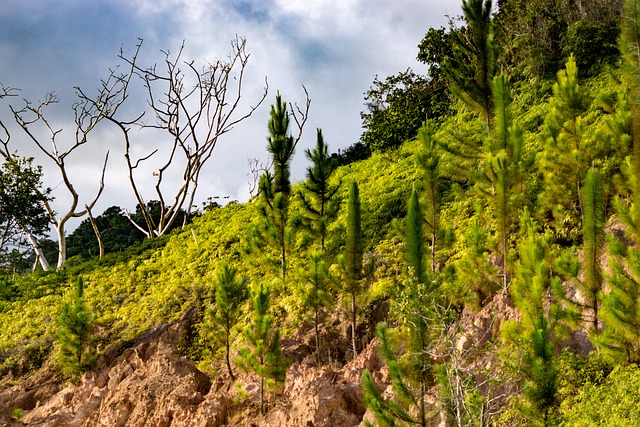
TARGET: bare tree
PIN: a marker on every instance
(195, 107)
(88, 113)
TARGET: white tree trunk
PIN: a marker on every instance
(35, 244)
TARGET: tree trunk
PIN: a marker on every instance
(35, 244)
(62, 246)
(228, 350)
(317, 336)
(353, 324)
(96, 231)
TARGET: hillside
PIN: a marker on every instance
(482, 272)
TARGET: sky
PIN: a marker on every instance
(334, 48)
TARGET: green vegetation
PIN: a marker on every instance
(230, 292)
(263, 355)
(275, 188)
(524, 190)
(75, 322)
(352, 259)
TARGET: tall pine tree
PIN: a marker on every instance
(275, 188)
(421, 317)
(319, 196)
(471, 69)
(352, 258)
(502, 167)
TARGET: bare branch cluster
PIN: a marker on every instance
(88, 112)
(195, 106)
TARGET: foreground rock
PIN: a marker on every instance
(149, 384)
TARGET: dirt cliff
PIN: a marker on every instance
(146, 382)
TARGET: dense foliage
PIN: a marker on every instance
(523, 190)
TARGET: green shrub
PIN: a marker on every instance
(613, 403)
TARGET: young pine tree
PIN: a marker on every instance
(263, 355)
(352, 258)
(629, 46)
(230, 293)
(570, 152)
(319, 196)
(471, 69)
(275, 188)
(593, 197)
(281, 146)
(74, 331)
(620, 340)
(314, 291)
(420, 317)
(429, 162)
(495, 168)
(502, 167)
(621, 306)
(539, 328)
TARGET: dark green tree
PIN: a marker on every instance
(263, 354)
(537, 36)
(118, 233)
(352, 257)
(22, 211)
(396, 108)
(75, 321)
(230, 293)
(474, 63)
(433, 49)
(320, 205)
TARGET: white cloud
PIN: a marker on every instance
(334, 48)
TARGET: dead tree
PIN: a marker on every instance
(88, 113)
(194, 106)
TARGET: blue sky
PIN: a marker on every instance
(335, 48)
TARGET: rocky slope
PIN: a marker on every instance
(147, 383)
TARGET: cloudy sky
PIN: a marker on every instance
(334, 48)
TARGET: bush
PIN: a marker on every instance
(614, 402)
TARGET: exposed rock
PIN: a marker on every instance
(147, 383)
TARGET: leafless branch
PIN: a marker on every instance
(300, 116)
(194, 107)
(88, 112)
(256, 169)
